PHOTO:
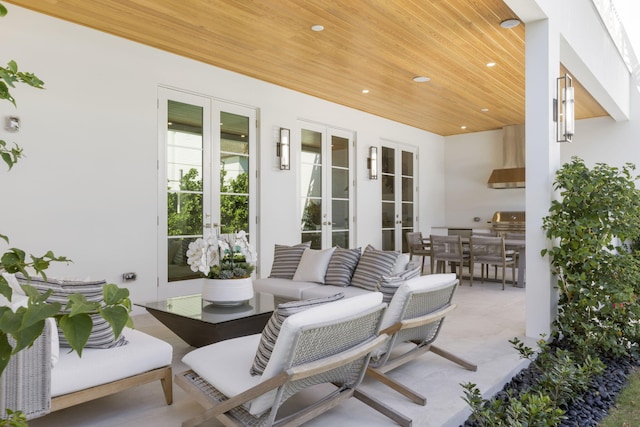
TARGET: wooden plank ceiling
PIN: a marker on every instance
(377, 45)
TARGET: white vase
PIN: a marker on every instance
(227, 292)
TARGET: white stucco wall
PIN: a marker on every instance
(88, 187)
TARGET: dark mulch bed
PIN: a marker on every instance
(594, 404)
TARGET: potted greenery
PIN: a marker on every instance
(227, 263)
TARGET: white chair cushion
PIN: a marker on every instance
(235, 355)
(293, 324)
(313, 265)
(101, 366)
(418, 284)
(272, 328)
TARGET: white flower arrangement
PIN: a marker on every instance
(228, 257)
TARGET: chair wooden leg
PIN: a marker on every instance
(455, 359)
(400, 388)
(385, 410)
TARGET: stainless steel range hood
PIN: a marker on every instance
(512, 173)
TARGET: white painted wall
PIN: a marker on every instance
(469, 161)
(604, 140)
(88, 186)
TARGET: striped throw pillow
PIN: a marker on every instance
(390, 284)
(101, 335)
(286, 260)
(272, 328)
(372, 266)
(341, 267)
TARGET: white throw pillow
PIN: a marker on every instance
(313, 265)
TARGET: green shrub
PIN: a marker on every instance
(598, 276)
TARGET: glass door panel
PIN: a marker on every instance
(234, 173)
(326, 183)
(389, 220)
(185, 192)
(311, 186)
(204, 183)
(398, 194)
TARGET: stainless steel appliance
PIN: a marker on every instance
(508, 222)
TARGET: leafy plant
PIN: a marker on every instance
(26, 324)
(598, 276)
(560, 376)
(598, 282)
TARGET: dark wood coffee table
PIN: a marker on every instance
(199, 323)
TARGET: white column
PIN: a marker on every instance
(543, 159)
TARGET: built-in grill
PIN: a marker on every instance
(508, 222)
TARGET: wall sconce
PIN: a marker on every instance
(283, 149)
(372, 162)
(564, 109)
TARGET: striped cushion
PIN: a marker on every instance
(101, 335)
(343, 263)
(286, 260)
(372, 266)
(272, 328)
(390, 284)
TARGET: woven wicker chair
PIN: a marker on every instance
(26, 382)
(491, 251)
(329, 344)
(415, 315)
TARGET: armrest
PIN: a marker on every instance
(25, 384)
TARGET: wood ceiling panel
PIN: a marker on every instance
(379, 45)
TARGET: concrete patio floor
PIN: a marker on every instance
(478, 331)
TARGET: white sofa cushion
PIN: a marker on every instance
(313, 265)
(285, 288)
(326, 290)
(100, 366)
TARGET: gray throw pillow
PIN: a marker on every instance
(341, 267)
(389, 284)
(286, 260)
(101, 335)
(272, 328)
(372, 266)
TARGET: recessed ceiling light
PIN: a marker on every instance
(510, 23)
(491, 64)
(421, 79)
(365, 90)
(463, 127)
(317, 27)
(484, 110)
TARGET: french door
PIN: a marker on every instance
(399, 194)
(326, 186)
(206, 168)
